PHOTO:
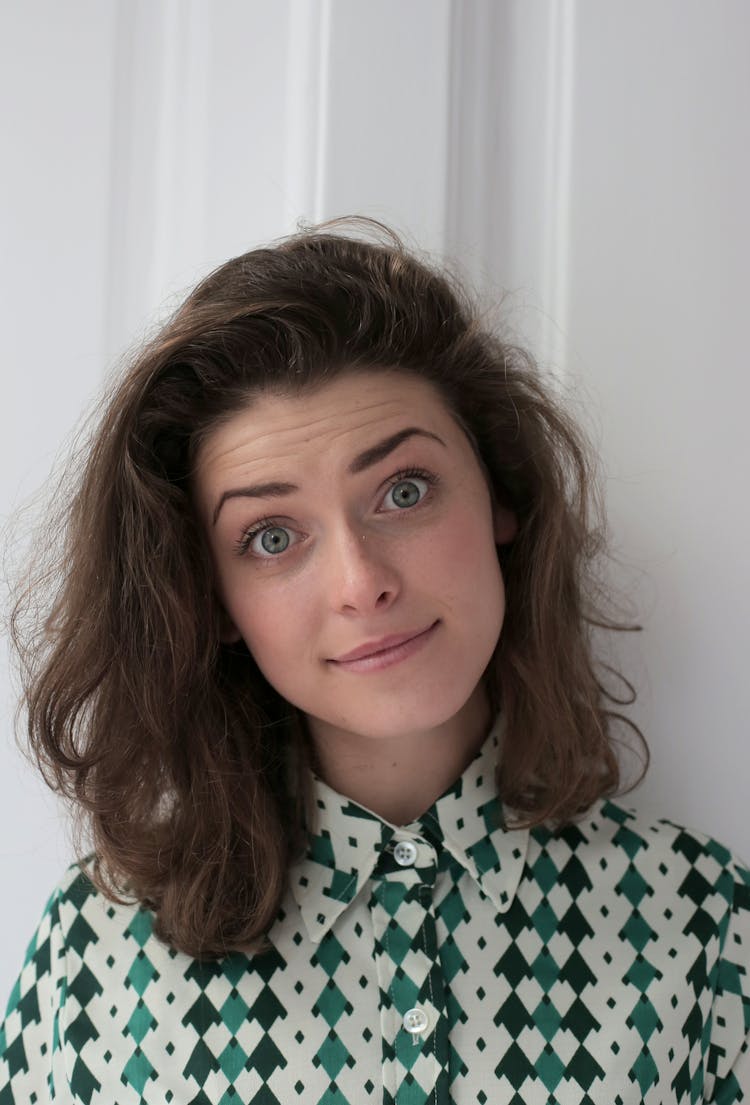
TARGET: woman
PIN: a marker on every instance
(319, 682)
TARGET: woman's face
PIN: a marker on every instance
(339, 518)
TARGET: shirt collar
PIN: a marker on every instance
(348, 839)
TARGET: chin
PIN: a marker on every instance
(395, 715)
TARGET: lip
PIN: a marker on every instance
(371, 648)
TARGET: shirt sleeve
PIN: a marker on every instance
(30, 1038)
(728, 1060)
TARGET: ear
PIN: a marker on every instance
(505, 525)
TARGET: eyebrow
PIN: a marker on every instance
(274, 489)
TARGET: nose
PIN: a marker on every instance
(362, 574)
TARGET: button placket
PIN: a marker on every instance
(413, 1008)
(405, 853)
(416, 1022)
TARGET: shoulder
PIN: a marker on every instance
(79, 917)
(609, 831)
(696, 856)
(672, 874)
(77, 890)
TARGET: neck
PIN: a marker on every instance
(399, 777)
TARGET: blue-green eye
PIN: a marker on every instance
(268, 538)
(404, 490)
(274, 539)
(405, 493)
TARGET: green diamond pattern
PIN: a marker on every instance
(606, 963)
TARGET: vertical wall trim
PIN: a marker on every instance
(558, 161)
(324, 96)
(470, 123)
(159, 156)
(303, 109)
(306, 112)
(452, 228)
(181, 147)
(508, 177)
(166, 152)
(120, 161)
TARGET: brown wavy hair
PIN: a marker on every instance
(190, 775)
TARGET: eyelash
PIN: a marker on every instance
(242, 546)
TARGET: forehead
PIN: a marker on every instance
(336, 419)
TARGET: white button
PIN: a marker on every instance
(415, 1021)
(405, 853)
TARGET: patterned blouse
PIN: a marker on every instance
(446, 961)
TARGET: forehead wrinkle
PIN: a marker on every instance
(293, 447)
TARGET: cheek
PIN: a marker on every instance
(252, 613)
(277, 620)
(464, 573)
(266, 620)
(462, 549)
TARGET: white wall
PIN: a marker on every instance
(615, 138)
(658, 276)
(56, 78)
(590, 158)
